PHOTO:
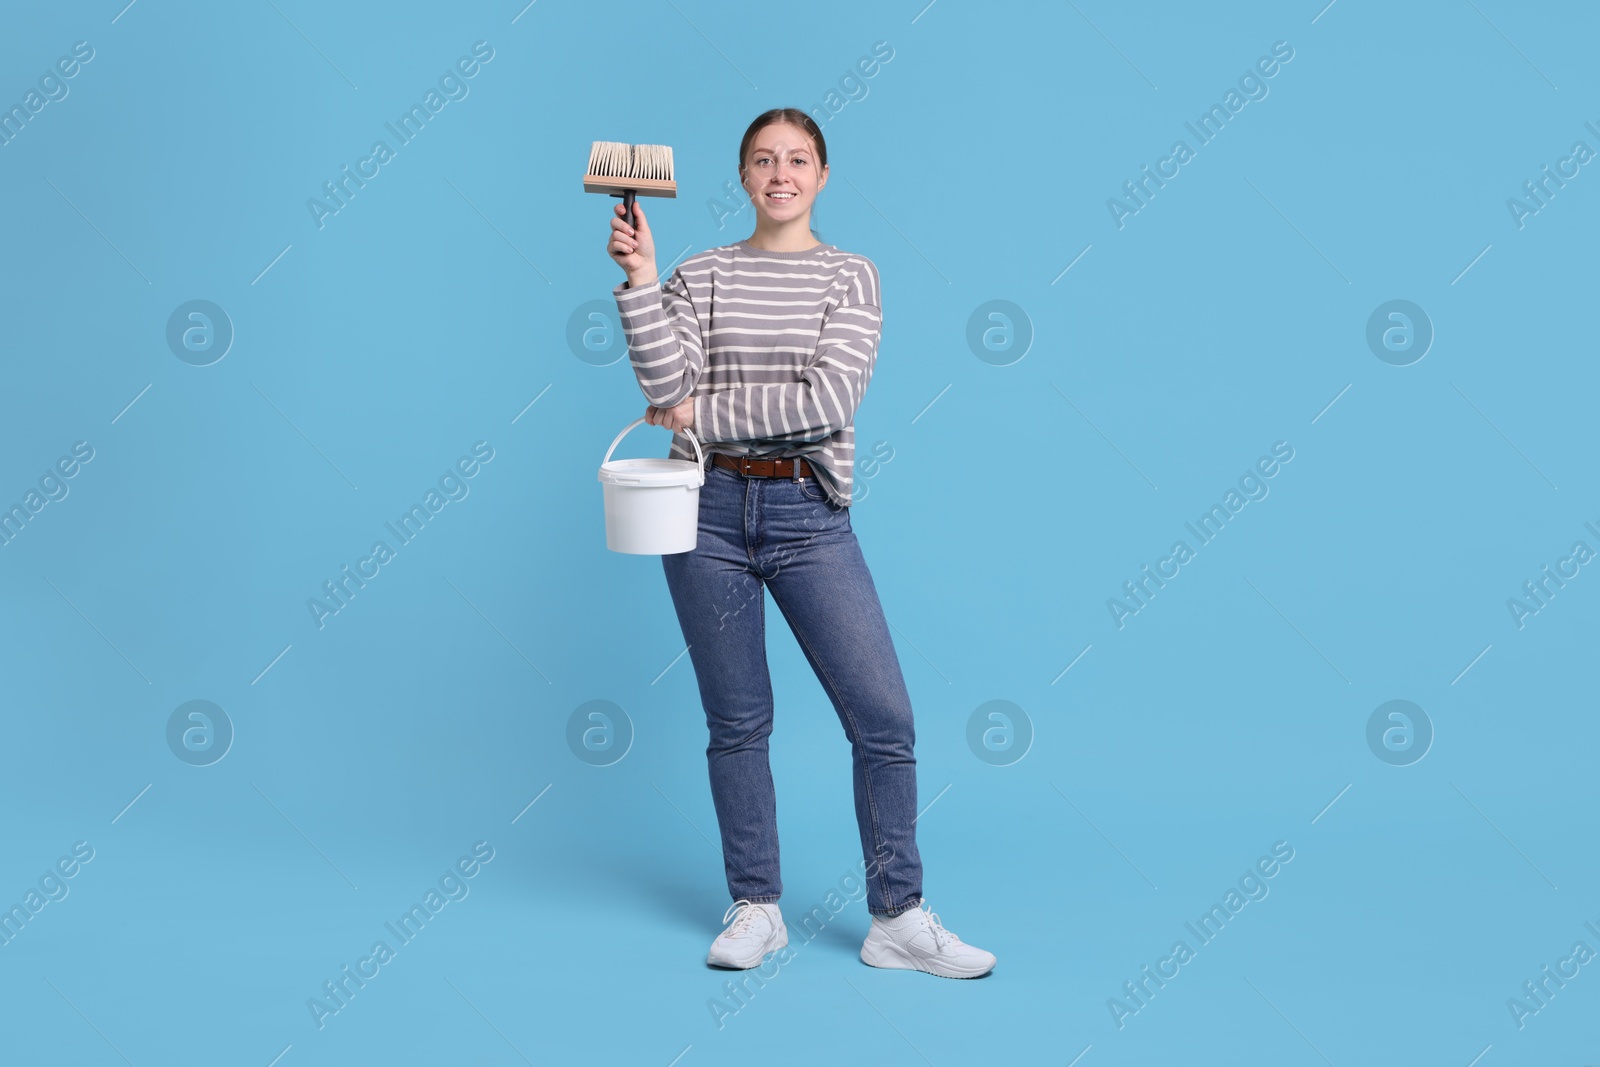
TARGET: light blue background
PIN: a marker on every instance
(1228, 314)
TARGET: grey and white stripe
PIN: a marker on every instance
(777, 349)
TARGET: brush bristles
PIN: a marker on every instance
(616, 159)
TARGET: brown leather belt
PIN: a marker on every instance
(763, 468)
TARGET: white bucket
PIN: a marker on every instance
(652, 505)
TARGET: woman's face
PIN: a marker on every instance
(780, 161)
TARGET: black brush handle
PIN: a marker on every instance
(627, 208)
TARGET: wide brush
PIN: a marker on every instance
(626, 170)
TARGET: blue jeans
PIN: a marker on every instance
(784, 535)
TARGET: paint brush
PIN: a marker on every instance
(627, 170)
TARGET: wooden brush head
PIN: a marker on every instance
(616, 167)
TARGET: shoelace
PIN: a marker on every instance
(941, 936)
(747, 912)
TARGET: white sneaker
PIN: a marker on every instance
(914, 940)
(756, 930)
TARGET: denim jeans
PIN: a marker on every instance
(784, 536)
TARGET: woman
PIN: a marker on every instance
(764, 347)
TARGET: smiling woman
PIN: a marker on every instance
(788, 168)
(763, 348)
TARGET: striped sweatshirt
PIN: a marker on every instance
(776, 348)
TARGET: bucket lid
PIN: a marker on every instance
(651, 472)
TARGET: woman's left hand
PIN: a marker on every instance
(674, 418)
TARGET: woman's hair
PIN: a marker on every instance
(794, 116)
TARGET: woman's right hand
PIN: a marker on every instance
(632, 246)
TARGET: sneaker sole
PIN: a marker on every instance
(879, 951)
(779, 940)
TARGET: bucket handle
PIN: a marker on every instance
(701, 456)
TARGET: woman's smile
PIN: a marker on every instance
(783, 198)
(781, 174)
